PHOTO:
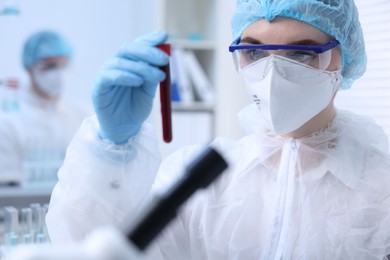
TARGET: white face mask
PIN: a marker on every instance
(288, 93)
(49, 81)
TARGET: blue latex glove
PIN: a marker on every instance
(126, 85)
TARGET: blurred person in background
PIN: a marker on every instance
(36, 136)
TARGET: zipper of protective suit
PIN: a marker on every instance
(286, 178)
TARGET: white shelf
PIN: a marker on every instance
(194, 44)
(204, 27)
(19, 196)
(192, 107)
(18, 191)
(191, 27)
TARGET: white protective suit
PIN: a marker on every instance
(324, 196)
(38, 135)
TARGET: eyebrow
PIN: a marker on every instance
(251, 40)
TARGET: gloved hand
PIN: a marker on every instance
(126, 85)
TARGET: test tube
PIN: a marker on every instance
(45, 209)
(41, 238)
(26, 225)
(37, 220)
(11, 225)
(165, 97)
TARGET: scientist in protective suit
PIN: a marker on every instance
(308, 181)
(35, 137)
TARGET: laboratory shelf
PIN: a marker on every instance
(194, 44)
(192, 107)
(19, 196)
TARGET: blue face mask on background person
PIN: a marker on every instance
(288, 93)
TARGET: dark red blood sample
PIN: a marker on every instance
(165, 97)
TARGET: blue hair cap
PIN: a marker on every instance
(337, 18)
(44, 44)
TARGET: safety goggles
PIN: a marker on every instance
(315, 56)
(45, 65)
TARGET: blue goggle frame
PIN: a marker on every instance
(314, 48)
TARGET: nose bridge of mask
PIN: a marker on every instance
(261, 68)
(282, 66)
(257, 70)
(285, 67)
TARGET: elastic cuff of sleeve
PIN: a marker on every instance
(123, 138)
(104, 148)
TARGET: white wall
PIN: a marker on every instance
(232, 96)
(95, 28)
(370, 94)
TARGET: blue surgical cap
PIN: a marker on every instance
(42, 45)
(337, 18)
